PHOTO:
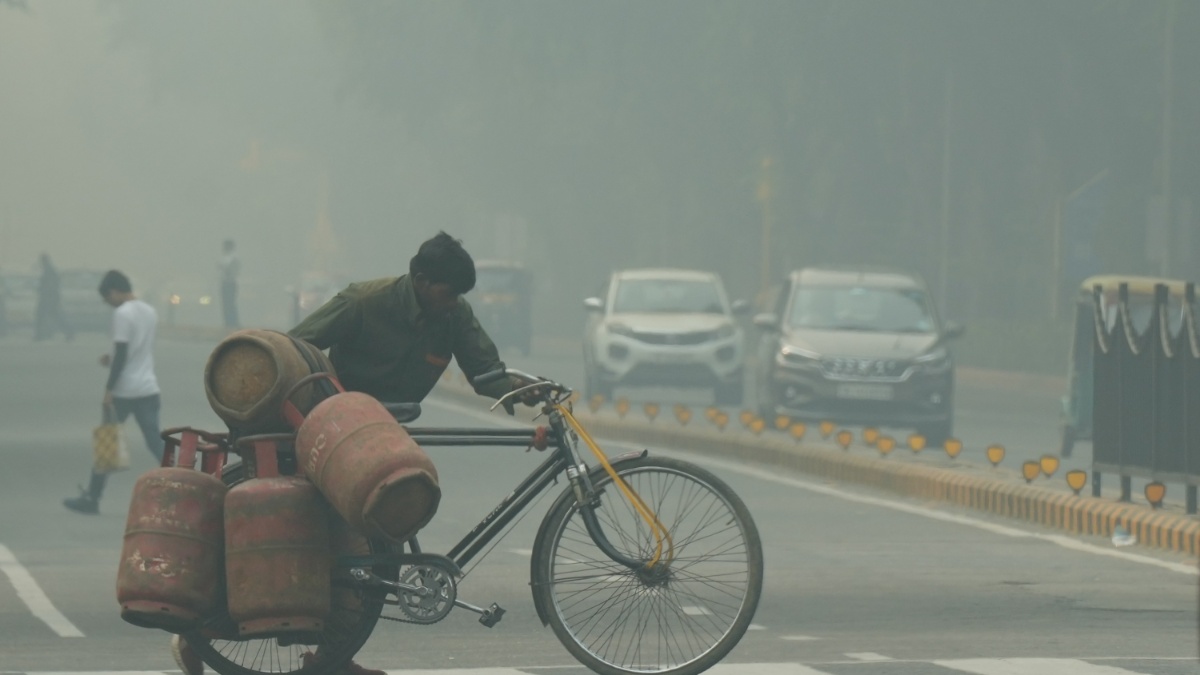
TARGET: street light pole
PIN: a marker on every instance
(764, 196)
(1168, 212)
(944, 240)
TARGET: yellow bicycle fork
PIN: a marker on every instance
(661, 535)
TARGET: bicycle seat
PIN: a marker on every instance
(404, 412)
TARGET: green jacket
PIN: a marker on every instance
(381, 344)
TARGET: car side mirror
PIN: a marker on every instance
(594, 304)
(953, 330)
(767, 321)
(740, 307)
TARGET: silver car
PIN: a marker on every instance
(664, 327)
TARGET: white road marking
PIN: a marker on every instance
(31, 594)
(800, 638)
(763, 669)
(869, 656)
(755, 626)
(1031, 667)
(693, 610)
(461, 671)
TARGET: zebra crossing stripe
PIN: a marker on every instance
(34, 598)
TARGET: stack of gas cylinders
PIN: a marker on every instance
(325, 469)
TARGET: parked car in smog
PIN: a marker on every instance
(857, 345)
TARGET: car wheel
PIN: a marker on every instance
(729, 394)
(1068, 441)
(765, 401)
(593, 385)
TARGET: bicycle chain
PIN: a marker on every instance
(419, 623)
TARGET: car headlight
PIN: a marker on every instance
(793, 354)
(619, 329)
(725, 332)
(934, 357)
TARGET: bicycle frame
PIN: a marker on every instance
(563, 459)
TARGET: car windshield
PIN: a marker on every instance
(885, 310)
(668, 296)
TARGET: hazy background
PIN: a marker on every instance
(1003, 149)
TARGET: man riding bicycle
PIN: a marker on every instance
(393, 338)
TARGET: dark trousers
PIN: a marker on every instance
(229, 304)
(145, 413)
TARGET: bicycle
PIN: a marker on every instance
(641, 565)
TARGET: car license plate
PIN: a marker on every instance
(865, 392)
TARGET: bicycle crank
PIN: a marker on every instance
(426, 594)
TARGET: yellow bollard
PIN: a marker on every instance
(651, 410)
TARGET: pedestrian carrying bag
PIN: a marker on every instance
(109, 452)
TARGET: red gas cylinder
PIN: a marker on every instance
(170, 568)
(368, 467)
(252, 372)
(277, 561)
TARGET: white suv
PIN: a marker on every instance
(664, 327)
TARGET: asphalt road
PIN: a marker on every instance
(856, 582)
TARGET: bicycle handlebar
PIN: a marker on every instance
(531, 383)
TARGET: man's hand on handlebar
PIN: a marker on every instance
(531, 397)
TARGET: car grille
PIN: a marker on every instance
(844, 368)
(695, 338)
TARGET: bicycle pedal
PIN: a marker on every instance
(492, 615)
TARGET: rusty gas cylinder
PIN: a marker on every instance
(277, 563)
(368, 467)
(170, 568)
(249, 374)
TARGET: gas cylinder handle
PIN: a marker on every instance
(264, 449)
(212, 451)
(248, 441)
(290, 411)
(218, 439)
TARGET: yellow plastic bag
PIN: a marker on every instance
(109, 452)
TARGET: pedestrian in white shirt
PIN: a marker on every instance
(132, 388)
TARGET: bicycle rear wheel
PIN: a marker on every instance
(679, 620)
(355, 611)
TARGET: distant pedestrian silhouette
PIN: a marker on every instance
(230, 268)
(49, 317)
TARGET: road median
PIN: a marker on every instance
(998, 492)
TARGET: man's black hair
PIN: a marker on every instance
(443, 260)
(115, 281)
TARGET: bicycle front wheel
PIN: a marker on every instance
(684, 614)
